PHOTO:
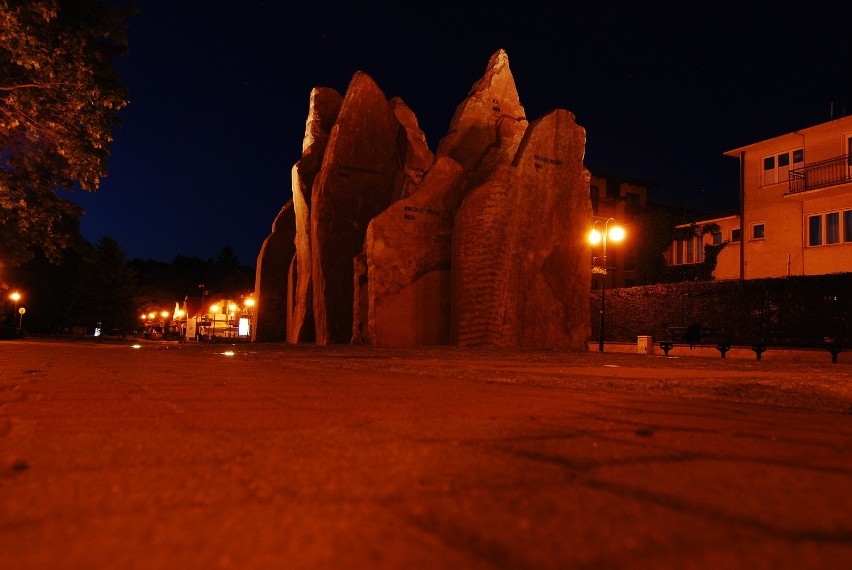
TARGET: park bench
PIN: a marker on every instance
(696, 335)
(829, 338)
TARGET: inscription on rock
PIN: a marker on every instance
(344, 169)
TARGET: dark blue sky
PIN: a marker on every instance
(219, 96)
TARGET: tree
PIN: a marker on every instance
(654, 235)
(696, 271)
(47, 287)
(103, 293)
(59, 97)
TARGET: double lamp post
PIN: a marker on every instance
(599, 265)
(17, 297)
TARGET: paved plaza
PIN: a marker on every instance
(274, 456)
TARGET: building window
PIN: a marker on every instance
(814, 230)
(735, 235)
(717, 238)
(832, 228)
(613, 189)
(758, 231)
(630, 259)
(776, 168)
(769, 170)
(689, 250)
(631, 208)
(847, 226)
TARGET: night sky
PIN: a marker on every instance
(220, 90)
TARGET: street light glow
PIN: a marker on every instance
(595, 237)
(615, 233)
(15, 296)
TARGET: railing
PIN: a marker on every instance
(821, 174)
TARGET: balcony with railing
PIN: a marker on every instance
(822, 174)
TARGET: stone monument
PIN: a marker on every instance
(271, 278)
(322, 113)
(521, 272)
(481, 244)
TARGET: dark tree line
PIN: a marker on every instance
(95, 285)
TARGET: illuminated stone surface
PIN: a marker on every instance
(402, 285)
(417, 158)
(385, 254)
(357, 181)
(488, 125)
(521, 274)
(324, 107)
(271, 278)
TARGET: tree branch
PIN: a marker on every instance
(35, 86)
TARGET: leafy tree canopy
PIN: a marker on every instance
(59, 97)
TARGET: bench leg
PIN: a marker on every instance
(834, 350)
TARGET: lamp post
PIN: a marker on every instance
(214, 311)
(248, 311)
(15, 297)
(165, 317)
(616, 234)
(180, 324)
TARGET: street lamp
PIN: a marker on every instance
(15, 297)
(247, 316)
(616, 234)
(214, 312)
(165, 316)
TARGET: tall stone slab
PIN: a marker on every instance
(357, 181)
(488, 125)
(415, 153)
(521, 271)
(322, 113)
(403, 279)
(271, 275)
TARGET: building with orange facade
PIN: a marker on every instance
(795, 214)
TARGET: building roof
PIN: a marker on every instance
(796, 137)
